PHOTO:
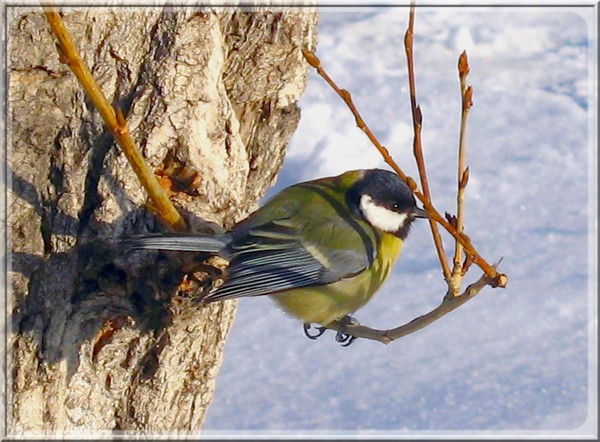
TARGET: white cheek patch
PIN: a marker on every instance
(380, 217)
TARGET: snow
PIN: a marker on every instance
(516, 361)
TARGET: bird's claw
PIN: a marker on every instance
(341, 336)
(344, 339)
(320, 331)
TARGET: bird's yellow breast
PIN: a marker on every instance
(327, 303)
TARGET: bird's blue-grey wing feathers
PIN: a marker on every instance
(270, 259)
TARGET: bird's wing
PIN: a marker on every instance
(270, 259)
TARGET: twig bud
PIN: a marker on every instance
(468, 98)
(418, 116)
(466, 264)
(360, 123)
(451, 219)
(311, 58)
(465, 178)
(408, 40)
(463, 65)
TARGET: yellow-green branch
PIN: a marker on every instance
(114, 121)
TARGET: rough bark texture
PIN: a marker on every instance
(101, 341)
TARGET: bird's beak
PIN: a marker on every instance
(419, 213)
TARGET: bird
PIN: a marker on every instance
(320, 249)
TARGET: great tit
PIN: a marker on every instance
(320, 249)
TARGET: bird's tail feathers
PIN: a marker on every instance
(177, 241)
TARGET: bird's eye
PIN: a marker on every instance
(395, 206)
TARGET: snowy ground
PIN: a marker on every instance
(515, 361)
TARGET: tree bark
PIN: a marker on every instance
(101, 338)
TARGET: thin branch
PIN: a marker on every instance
(449, 304)
(417, 146)
(454, 225)
(499, 278)
(466, 93)
(314, 61)
(114, 121)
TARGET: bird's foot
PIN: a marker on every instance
(320, 331)
(341, 336)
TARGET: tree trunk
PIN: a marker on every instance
(103, 339)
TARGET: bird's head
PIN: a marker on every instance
(384, 201)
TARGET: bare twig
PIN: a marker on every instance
(466, 93)
(500, 279)
(114, 120)
(314, 61)
(449, 303)
(417, 147)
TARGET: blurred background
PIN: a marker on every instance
(521, 360)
